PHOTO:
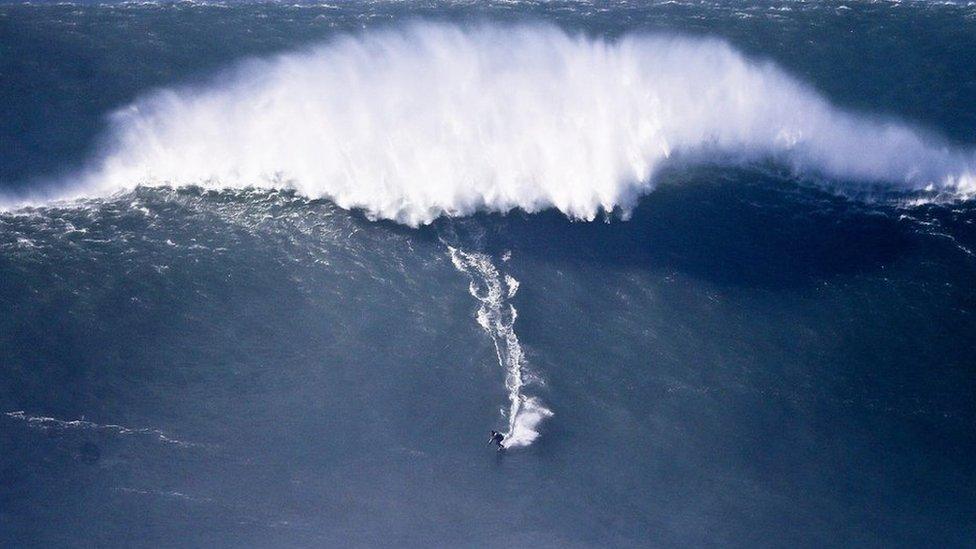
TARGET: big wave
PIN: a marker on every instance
(435, 119)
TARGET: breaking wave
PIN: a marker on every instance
(431, 119)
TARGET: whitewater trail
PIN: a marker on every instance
(496, 315)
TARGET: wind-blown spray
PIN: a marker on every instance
(433, 119)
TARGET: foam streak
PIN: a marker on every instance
(46, 423)
(497, 317)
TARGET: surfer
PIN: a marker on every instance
(496, 438)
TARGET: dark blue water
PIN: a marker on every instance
(748, 356)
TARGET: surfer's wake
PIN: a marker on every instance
(497, 316)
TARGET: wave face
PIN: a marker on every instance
(252, 367)
(433, 119)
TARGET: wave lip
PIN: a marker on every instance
(430, 119)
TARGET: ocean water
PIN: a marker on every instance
(270, 272)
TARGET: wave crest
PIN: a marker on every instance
(432, 119)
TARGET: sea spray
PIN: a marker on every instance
(496, 315)
(424, 120)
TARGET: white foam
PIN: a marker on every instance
(432, 119)
(497, 317)
(46, 423)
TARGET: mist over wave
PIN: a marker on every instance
(432, 119)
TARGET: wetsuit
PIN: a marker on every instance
(496, 438)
